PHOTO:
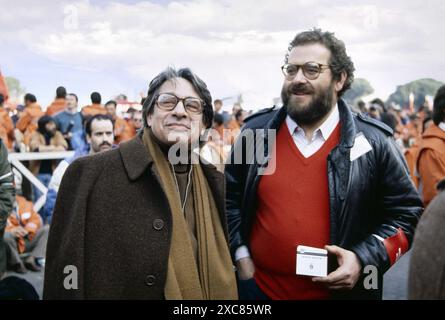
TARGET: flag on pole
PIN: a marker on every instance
(3, 87)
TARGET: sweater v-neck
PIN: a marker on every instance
(320, 152)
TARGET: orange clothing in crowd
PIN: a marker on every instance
(218, 154)
(132, 131)
(431, 161)
(27, 123)
(233, 125)
(234, 130)
(93, 109)
(413, 131)
(411, 155)
(220, 130)
(215, 150)
(123, 131)
(3, 87)
(55, 107)
(37, 140)
(6, 128)
(26, 217)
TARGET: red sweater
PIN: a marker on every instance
(293, 209)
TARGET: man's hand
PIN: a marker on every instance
(348, 272)
(18, 232)
(246, 268)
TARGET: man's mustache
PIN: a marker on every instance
(300, 89)
(105, 144)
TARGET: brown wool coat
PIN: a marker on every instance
(112, 221)
(427, 264)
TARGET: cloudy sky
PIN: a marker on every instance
(236, 46)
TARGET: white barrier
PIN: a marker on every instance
(15, 158)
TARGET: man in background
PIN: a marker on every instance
(7, 193)
(100, 137)
(6, 125)
(69, 121)
(431, 158)
(46, 139)
(58, 104)
(122, 131)
(96, 107)
(25, 234)
(27, 124)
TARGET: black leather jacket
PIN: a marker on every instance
(369, 196)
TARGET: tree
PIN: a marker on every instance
(420, 88)
(14, 87)
(359, 88)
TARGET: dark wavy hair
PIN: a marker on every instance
(339, 61)
(98, 117)
(195, 81)
(439, 106)
(42, 122)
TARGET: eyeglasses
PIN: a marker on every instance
(311, 70)
(168, 102)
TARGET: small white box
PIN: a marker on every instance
(312, 261)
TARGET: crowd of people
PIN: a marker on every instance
(350, 180)
(418, 131)
(59, 127)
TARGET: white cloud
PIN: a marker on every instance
(235, 46)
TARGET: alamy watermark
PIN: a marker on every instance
(71, 20)
(71, 278)
(252, 146)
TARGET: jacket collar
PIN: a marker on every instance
(348, 129)
(324, 130)
(434, 132)
(135, 157)
(277, 119)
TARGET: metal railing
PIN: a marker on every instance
(15, 158)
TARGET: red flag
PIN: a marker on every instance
(396, 245)
(3, 87)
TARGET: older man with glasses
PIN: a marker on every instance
(140, 222)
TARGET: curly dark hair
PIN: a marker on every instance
(187, 74)
(340, 62)
(439, 106)
(98, 117)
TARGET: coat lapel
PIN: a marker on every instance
(339, 168)
(341, 156)
(135, 157)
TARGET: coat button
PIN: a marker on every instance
(158, 224)
(150, 280)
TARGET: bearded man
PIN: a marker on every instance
(334, 181)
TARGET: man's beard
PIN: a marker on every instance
(320, 105)
(50, 133)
